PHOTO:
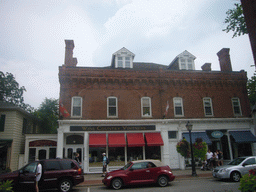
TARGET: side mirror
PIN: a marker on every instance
(131, 169)
(244, 164)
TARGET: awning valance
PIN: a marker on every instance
(154, 139)
(135, 140)
(243, 136)
(195, 135)
(97, 140)
(116, 140)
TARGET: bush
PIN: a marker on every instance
(200, 149)
(182, 147)
(248, 182)
(6, 186)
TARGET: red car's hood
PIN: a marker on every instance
(116, 172)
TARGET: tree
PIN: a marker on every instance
(11, 92)
(48, 113)
(236, 21)
(251, 89)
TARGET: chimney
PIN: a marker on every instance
(69, 60)
(206, 67)
(224, 59)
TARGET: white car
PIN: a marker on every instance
(235, 169)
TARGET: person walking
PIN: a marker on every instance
(104, 170)
(38, 175)
(77, 158)
(209, 159)
(220, 158)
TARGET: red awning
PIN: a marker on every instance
(116, 140)
(97, 140)
(154, 139)
(135, 140)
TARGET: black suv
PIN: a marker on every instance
(56, 173)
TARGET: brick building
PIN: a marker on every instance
(135, 110)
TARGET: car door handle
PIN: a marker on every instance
(147, 171)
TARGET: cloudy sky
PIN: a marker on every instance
(32, 35)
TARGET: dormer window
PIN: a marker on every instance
(122, 59)
(184, 61)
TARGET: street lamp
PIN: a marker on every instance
(189, 127)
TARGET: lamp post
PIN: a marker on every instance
(189, 127)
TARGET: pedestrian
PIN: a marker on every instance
(209, 159)
(215, 159)
(38, 175)
(77, 158)
(104, 170)
(220, 158)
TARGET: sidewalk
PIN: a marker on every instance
(96, 179)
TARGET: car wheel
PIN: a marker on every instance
(65, 185)
(117, 183)
(162, 181)
(235, 176)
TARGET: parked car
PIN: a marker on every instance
(56, 173)
(235, 169)
(139, 172)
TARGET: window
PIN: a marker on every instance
(77, 107)
(146, 106)
(25, 126)
(178, 106)
(236, 106)
(186, 63)
(208, 106)
(52, 166)
(67, 164)
(2, 122)
(172, 134)
(124, 62)
(112, 107)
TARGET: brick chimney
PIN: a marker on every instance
(69, 60)
(206, 67)
(224, 59)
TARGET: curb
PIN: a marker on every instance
(99, 182)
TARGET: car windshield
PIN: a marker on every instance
(126, 166)
(236, 161)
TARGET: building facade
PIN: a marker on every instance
(135, 110)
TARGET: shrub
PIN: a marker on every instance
(6, 186)
(200, 149)
(248, 182)
(182, 147)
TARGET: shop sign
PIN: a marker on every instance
(113, 128)
(217, 134)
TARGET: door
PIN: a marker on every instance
(28, 176)
(71, 150)
(139, 173)
(248, 164)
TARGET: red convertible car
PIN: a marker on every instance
(139, 172)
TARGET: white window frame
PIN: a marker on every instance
(142, 107)
(186, 63)
(72, 107)
(108, 106)
(124, 59)
(206, 99)
(239, 105)
(178, 104)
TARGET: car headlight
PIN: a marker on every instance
(223, 170)
(109, 177)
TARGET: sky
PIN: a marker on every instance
(32, 35)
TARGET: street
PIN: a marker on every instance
(198, 185)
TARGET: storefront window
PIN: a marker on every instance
(32, 154)
(52, 153)
(95, 156)
(134, 153)
(153, 152)
(116, 156)
(42, 154)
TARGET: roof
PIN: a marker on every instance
(156, 162)
(11, 106)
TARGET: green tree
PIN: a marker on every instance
(11, 92)
(251, 89)
(48, 113)
(235, 20)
